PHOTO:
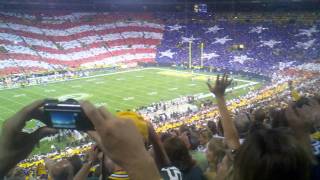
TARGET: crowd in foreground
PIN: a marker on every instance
(275, 144)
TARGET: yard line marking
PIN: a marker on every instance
(152, 93)
(173, 89)
(19, 95)
(182, 72)
(49, 90)
(128, 98)
(76, 86)
(88, 77)
(201, 95)
(90, 80)
(100, 82)
(101, 104)
(192, 84)
(121, 72)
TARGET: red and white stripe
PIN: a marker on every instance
(73, 42)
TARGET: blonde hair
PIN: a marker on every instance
(217, 147)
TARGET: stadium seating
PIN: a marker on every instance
(271, 132)
(259, 47)
(74, 40)
(54, 41)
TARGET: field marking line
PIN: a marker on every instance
(183, 72)
(98, 75)
(120, 72)
(202, 96)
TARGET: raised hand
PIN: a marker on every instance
(16, 145)
(230, 131)
(220, 86)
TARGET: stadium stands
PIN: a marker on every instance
(51, 42)
(265, 44)
(268, 133)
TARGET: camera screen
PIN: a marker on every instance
(64, 119)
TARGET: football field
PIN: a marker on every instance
(120, 90)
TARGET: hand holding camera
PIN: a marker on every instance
(66, 115)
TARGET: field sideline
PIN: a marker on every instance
(119, 90)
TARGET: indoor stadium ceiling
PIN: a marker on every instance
(136, 5)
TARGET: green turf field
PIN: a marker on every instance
(117, 91)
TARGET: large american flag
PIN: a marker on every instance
(264, 45)
(30, 42)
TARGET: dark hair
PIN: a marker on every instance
(220, 128)
(193, 140)
(164, 136)
(62, 170)
(278, 118)
(213, 127)
(206, 133)
(76, 163)
(184, 128)
(272, 154)
(178, 154)
(259, 115)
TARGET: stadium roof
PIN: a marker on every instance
(161, 5)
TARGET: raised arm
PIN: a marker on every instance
(230, 131)
(85, 169)
(160, 154)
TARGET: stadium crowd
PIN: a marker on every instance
(251, 141)
(268, 134)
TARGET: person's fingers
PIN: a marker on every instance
(96, 137)
(218, 79)
(209, 85)
(229, 82)
(18, 121)
(39, 115)
(105, 114)
(42, 132)
(93, 114)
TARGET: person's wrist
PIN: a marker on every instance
(144, 165)
(4, 166)
(136, 159)
(220, 96)
(89, 162)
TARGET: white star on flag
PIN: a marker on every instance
(242, 59)
(167, 53)
(271, 43)
(209, 55)
(257, 29)
(305, 45)
(222, 40)
(213, 29)
(190, 39)
(283, 65)
(308, 32)
(175, 27)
